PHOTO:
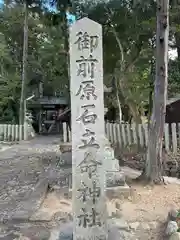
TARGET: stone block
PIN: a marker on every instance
(65, 159)
(172, 227)
(65, 147)
(175, 236)
(115, 178)
(172, 215)
(118, 192)
(115, 231)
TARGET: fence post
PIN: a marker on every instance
(166, 136)
(108, 130)
(114, 133)
(129, 133)
(174, 137)
(8, 132)
(20, 132)
(1, 133)
(17, 133)
(179, 134)
(12, 131)
(4, 131)
(141, 137)
(25, 128)
(145, 126)
(70, 134)
(111, 132)
(64, 132)
(123, 134)
(119, 139)
(134, 133)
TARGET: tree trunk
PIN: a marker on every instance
(24, 64)
(151, 83)
(118, 102)
(153, 171)
(134, 111)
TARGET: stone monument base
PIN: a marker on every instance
(65, 232)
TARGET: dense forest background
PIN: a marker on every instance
(128, 44)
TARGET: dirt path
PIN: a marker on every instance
(22, 172)
(151, 204)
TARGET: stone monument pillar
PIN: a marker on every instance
(87, 116)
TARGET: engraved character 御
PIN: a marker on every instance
(89, 140)
(86, 66)
(85, 41)
(86, 90)
(89, 165)
(87, 117)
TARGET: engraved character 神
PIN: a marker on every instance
(89, 140)
(87, 117)
(86, 90)
(89, 165)
(86, 66)
(92, 192)
(83, 192)
(85, 41)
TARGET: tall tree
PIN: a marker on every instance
(153, 171)
(24, 65)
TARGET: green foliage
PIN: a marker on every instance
(46, 61)
(134, 27)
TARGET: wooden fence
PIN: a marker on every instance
(9, 132)
(127, 134)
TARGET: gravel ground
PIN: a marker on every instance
(22, 166)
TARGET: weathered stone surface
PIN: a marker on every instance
(65, 147)
(114, 176)
(121, 224)
(175, 236)
(134, 225)
(117, 230)
(87, 117)
(111, 163)
(172, 215)
(66, 232)
(10, 236)
(172, 227)
(65, 159)
(114, 179)
(118, 192)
